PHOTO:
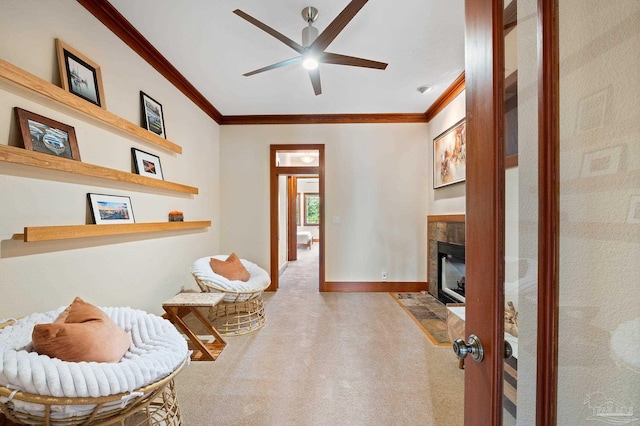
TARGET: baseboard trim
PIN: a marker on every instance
(363, 286)
(284, 268)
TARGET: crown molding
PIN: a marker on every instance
(112, 19)
(445, 99)
(323, 119)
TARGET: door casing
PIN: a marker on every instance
(276, 171)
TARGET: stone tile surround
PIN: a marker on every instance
(445, 228)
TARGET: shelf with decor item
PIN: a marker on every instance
(25, 157)
(66, 232)
(42, 87)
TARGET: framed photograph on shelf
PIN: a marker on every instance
(43, 134)
(110, 209)
(152, 116)
(147, 164)
(80, 75)
(450, 156)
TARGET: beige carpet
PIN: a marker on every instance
(325, 359)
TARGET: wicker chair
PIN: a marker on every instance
(152, 404)
(242, 309)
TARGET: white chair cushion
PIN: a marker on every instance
(259, 279)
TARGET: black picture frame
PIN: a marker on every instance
(147, 164)
(110, 209)
(152, 115)
(80, 75)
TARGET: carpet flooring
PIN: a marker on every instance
(429, 313)
(325, 359)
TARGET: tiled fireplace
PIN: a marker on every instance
(448, 229)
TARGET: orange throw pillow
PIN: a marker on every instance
(82, 332)
(232, 268)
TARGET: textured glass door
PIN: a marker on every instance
(599, 314)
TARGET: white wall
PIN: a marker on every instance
(138, 270)
(449, 199)
(376, 186)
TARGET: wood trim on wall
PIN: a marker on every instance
(548, 213)
(446, 218)
(445, 99)
(112, 19)
(323, 119)
(372, 286)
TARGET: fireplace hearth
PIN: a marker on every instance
(451, 273)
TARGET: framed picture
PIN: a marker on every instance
(601, 162)
(80, 75)
(450, 156)
(634, 209)
(152, 116)
(147, 164)
(110, 209)
(43, 134)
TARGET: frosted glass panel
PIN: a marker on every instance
(599, 352)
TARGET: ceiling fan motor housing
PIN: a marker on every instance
(309, 34)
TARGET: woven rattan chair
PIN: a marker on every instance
(242, 309)
(155, 404)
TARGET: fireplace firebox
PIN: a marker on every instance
(451, 273)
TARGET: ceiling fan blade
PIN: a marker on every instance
(274, 66)
(337, 59)
(286, 40)
(314, 75)
(337, 25)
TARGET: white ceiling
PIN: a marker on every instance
(422, 41)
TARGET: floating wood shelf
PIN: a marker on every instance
(65, 232)
(42, 87)
(15, 155)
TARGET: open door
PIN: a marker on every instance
(512, 212)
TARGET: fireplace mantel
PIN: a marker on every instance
(445, 228)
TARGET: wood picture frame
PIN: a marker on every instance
(450, 156)
(147, 164)
(110, 209)
(80, 75)
(45, 135)
(152, 115)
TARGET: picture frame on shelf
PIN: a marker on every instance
(80, 75)
(152, 115)
(450, 156)
(45, 135)
(110, 209)
(147, 164)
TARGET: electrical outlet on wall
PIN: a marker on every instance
(384, 275)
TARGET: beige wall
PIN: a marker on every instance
(138, 270)
(376, 186)
(449, 199)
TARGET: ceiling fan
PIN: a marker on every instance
(312, 50)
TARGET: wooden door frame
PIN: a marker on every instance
(274, 172)
(292, 226)
(485, 209)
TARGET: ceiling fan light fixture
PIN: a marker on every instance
(310, 63)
